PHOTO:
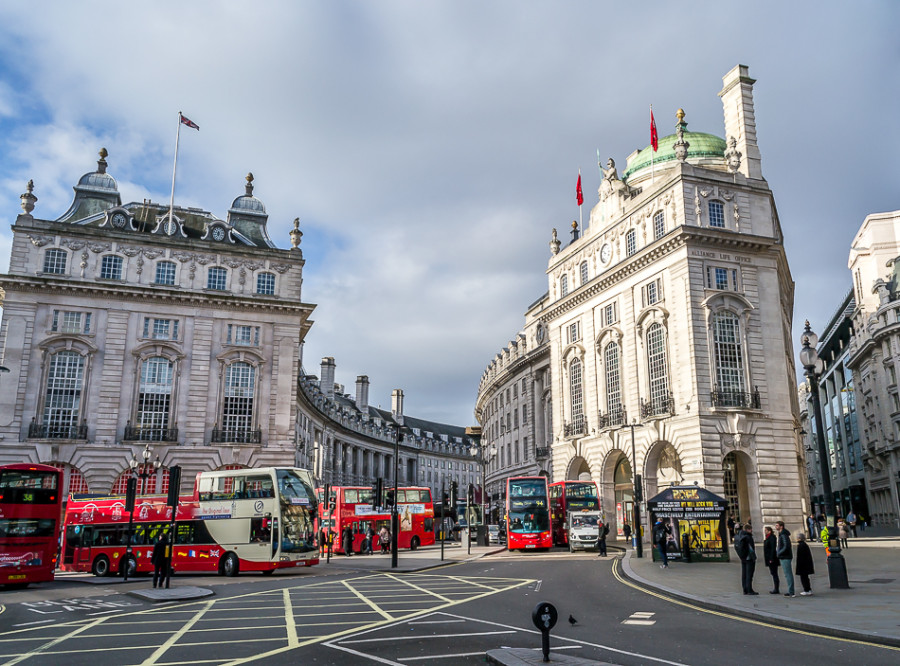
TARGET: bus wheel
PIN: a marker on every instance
(414, 543)
(100, 567)
(230, 565)
(130, 564)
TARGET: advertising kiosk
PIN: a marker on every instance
(697, 520)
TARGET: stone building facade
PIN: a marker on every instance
(874, 358)
(671, 311)
(125, 329)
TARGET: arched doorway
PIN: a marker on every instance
(623, 481)
(735, 490)
(578, 470)
(663, 468)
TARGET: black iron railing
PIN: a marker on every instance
(658, 407)
(577, 427)
(134, 434)
(44, 431)
(611, 419)
(237, 436)
(746, 399)
(542, 452)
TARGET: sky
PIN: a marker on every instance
(429, 148)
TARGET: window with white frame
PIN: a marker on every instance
(573, 332)
(651, 292)
(717, 214)
(659, 225)
(71, 322)
(111, 267)
(584, 272)
(160, 329)
(729, 354)
(575, 393)
(55, 261)
(563, 285)
(265, 284)
(240, 390)
(217, 278)
(610, 314)
(657, 366)
(630, 243)
(62, 395)
(155, 398)
(719, 277)
(613, 378)
(165, 272)
(247, 336)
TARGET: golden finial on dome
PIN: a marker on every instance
(680, 115)
(574, 224)
(103, 153)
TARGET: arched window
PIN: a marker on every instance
(613, 379)
(717, 214)
(265, 284)
(630, 243)
(584, 272)
(62, 397)
(729, 358)
(563, 285)
(55, 261)
(657, 369)
(165, 272)
(111, 267)
(659, 225)
(576, 395)
(154, 481)
(237, 409)
(152, 419)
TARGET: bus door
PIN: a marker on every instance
(78, 544)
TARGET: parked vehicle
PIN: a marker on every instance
(583, 528)
(495, 535)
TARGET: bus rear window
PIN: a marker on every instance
(27, 527)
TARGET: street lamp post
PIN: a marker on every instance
(638, 494)
(809, 359)
(143, 474)
(395, 515)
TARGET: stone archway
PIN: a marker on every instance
(736, 486)
(578, 470)
(662, 468)
(616, 491)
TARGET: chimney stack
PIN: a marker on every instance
(740, 120)
(362, 393)
(397, 405)
(326, 377)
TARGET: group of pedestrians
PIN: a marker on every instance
(778, 553)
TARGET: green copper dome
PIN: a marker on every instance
(702, 145)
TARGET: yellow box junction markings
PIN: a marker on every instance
(363, 590)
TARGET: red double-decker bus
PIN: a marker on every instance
(30, 507)
(236, 520)
(527, 513)
(353, 507)
(566, 496)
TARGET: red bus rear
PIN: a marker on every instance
(566, 496)
(527, 513)
(353, 508)
(30, 507)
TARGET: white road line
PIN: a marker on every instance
(645, 623)
(537, 588)
(418, 638)
(443, 656)
(643, 614)
(28, 624)
(421, 622)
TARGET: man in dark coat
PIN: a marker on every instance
(601, 538)
(785, 555)
(160, 561)
(347, 540)
(746, 552)
(661, 532)
(804, 565)
(770, 545)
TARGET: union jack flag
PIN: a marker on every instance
(190, 123)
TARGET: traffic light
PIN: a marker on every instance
(174, 486)
(445, 504)
(377, 491)
(454, 494)
(389, 498)
(130, 494)
(471, 494)
(327, 499)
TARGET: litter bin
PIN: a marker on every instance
(482, 535)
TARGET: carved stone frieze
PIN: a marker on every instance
(183, 257)
(97, 248)
(130, 251)
(73, 244)
(281, 268)
(40, 241)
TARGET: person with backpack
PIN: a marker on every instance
(601, 539)
(661, 532)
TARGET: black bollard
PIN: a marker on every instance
(544, 617)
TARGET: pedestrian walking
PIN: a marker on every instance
(626, 530)
(843, 533)
(384, 538)
(770, 546)
(323, 545)
(805, 567)
(370, 537)
(601, 539)
(851, 522)
(661, 532)
(785, 554)
(160, 561)
(746, 552)
(347, 540)
(731, 525)
(811, 526)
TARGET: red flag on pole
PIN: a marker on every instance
(190, 123)
(579, 197)
(654, 139)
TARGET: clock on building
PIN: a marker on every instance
(170, 227)
(605, 253)
(218, 233)
(119, 220)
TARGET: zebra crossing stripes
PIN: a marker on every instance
(641, 619)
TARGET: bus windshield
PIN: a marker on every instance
(27, 486)
(298, 510)
(528, 506)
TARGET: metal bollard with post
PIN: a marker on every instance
(544, 617)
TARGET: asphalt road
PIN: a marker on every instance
(446, 616)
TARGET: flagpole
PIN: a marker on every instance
(652, 168)
(174, 167)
